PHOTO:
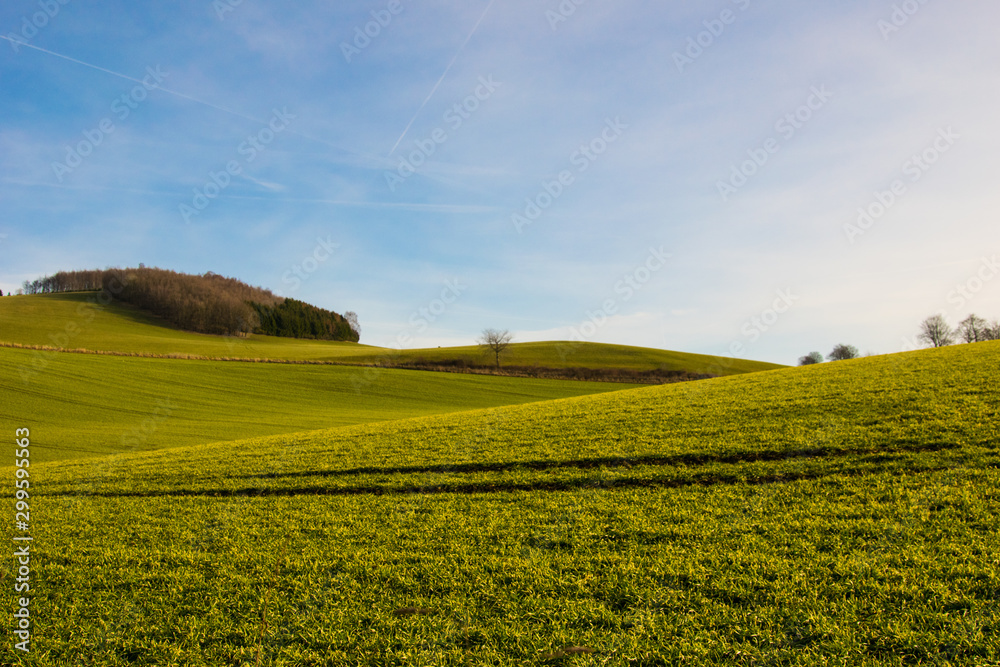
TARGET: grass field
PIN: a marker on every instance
(80, 320)
(86, 405)
(841, 514)
(72, 321)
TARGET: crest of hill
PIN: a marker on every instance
(82, 321)
(207, 303)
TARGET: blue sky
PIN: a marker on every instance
(684, 176)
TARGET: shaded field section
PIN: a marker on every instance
(840, 464)
(85, 405)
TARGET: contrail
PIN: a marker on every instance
(188, 97)
(406, 206)
(447, 69)
(129, 78)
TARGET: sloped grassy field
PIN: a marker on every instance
(83, 320)
(79, 320)
(836, 514)
(89, 405)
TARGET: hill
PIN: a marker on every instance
(78, 321)
(837, 513)
(70, 321)
(207, 303)
(569, 355)
(89, 405)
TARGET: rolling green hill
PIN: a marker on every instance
(76, 320)
(70, 321)
(82, 404)
(567, 354)
(843, 513)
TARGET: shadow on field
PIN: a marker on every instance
(869, 462)
(615, 462)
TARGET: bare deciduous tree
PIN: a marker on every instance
(935, 331)
(495, 342)
(992, 331)
(352, 321)
(842, 352)
(811, 358)
(973, 329)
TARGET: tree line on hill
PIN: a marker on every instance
(207, 303)
(934, 331)
(840, 352)
(302, 320)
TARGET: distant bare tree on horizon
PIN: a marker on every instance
(935, 331)
(810, 359)
(495, 342)
(992, 330)
(352, 321)
(973, 329)
(843, 352)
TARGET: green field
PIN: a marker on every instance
(86, 405)
(79, 320)
(72, 321)
(840, 514)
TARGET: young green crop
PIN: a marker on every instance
(72, 321)
(87, 405)
(836, 514)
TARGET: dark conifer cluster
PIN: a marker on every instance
(298, 319)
